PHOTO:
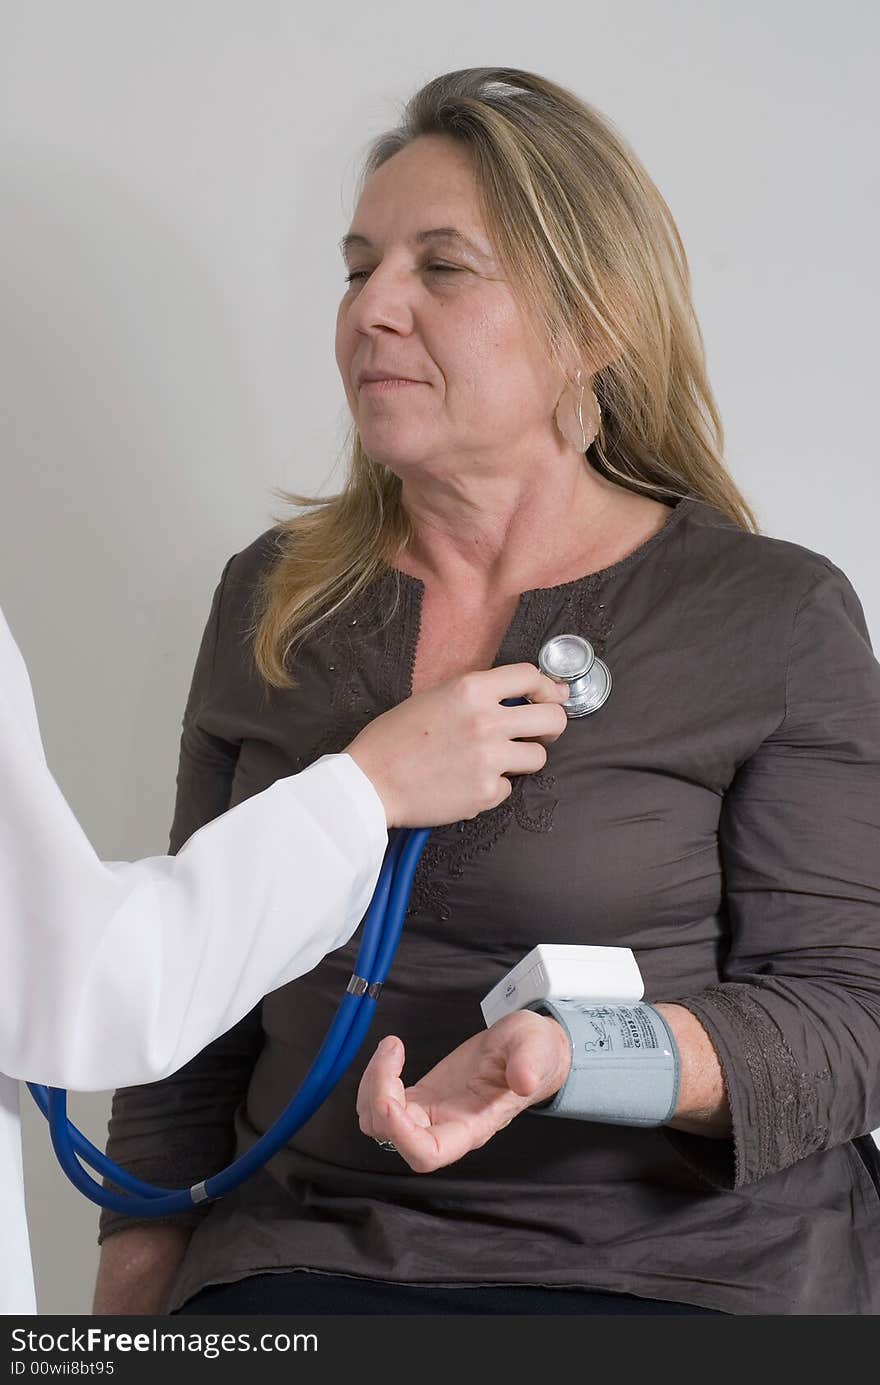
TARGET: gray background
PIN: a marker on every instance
(175, 178)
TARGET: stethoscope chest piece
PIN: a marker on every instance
(572, 660)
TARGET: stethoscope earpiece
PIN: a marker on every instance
(571, 659)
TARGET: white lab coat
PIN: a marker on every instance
(117, 973)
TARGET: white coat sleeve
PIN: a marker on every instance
(118, 973)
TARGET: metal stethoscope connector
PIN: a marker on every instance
(571, 659)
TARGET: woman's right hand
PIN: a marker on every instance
(442, 755)
(466, 1098)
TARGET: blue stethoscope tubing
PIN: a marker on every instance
(382, 929)
(383, 926)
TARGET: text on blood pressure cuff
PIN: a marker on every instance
(625, 1066)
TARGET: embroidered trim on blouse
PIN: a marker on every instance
(786, 1126)
(342, 641)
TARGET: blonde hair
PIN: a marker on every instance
(590, 249)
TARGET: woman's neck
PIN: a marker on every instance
(505, 536)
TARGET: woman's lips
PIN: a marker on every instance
(386, 386)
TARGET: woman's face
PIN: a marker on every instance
(433, 309)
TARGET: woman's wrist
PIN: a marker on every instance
(702, 1107)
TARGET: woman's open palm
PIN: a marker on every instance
(468, 1096)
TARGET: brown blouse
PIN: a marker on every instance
(720, 814)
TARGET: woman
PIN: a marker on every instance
(537, 451)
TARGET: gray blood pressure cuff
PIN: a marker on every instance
(624, 1063)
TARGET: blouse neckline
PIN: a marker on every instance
(575, 603)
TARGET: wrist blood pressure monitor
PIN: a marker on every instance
(625, 1066)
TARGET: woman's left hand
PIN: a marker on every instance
(469, 1095)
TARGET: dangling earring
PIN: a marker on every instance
(569, 416)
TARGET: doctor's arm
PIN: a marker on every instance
(121, 972)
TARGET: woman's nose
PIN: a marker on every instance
(383, 300)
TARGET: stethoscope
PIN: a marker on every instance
(565, 658)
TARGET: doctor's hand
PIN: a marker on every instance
(443, 754)
(469, 1096)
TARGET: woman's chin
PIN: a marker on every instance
(398, 452)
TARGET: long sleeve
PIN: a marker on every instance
(796, 1018)
(121, 972)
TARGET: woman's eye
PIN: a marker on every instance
(437, 268)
